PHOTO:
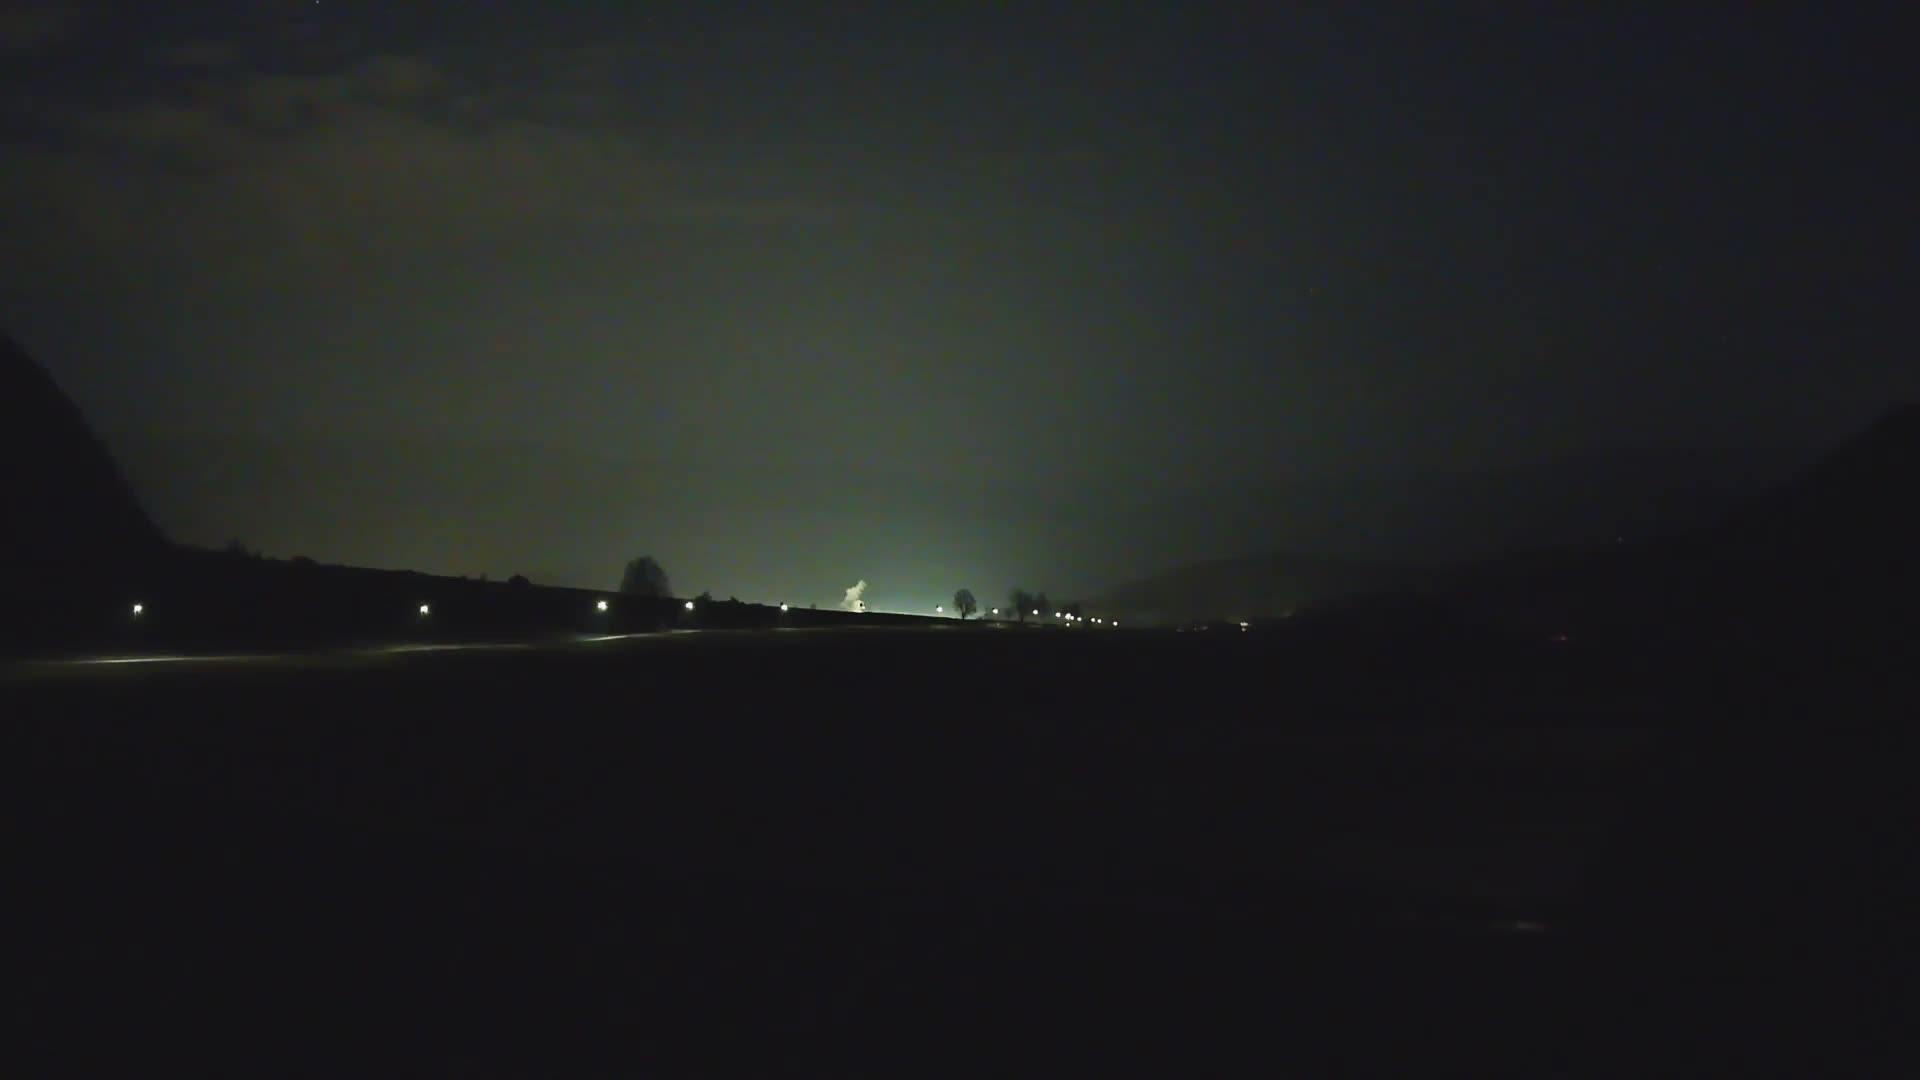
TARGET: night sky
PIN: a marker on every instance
(789, 295)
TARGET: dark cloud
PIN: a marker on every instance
(198, 53)
(332, 156)
(27, 27)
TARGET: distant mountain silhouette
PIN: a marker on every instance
(1862, 491)
(70, 518)
(1451, 522)
(1828, 554)
(1249, 588)
(1839, 541)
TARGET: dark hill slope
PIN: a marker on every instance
(71, 522)
(1828, 555)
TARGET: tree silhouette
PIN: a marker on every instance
(1022, 602)
(644, 577)
(964, 604)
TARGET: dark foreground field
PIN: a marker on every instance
(957, 851)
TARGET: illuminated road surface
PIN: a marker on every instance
(26, 669)
(241, 666)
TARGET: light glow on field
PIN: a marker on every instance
(100, 661)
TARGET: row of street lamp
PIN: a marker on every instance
(602, 606)
(139, 609)
(1070, 619)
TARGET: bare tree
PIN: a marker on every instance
(1022, 602)
(964, 604)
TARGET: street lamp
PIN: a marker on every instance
(138, 610)
(600, 605)
(689, 605)
(783, 607)
(426, 609)
(939, 609)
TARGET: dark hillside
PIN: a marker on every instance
(72, 533)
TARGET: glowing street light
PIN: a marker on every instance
(689, 605)
(426, 609)
(1036, 613)
(939, 609)
(783, 607)
(600, 605)
(996, 611)
(139, 609)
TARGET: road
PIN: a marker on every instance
(844, 702)
(81, 666)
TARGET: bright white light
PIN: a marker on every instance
(939, 609)
(1243, 626)
(1055, 614)
(689, 605)
(426, 609)
(1036, 613)
(139, 609)
(600, 605)
(783, 607)
(996, 611)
